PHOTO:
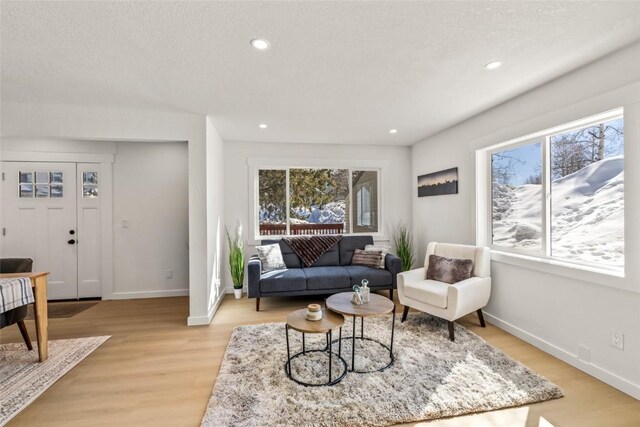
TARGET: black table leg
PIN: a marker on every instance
(340, 343)
(393, 328)
(330, 345)
(353, 345)
(303, 346)
(288, 353)
(361, 327)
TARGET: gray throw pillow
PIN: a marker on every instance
(270, 257)
(381, 248)
(449, 270)
(366, 258)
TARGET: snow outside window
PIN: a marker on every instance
(303, 201)
(581, 172)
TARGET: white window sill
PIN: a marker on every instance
(600, 276)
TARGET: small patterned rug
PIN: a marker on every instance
(431, 377)
(60, 310)
(23, 378)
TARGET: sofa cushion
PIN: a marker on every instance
(283, 281)
(290, 258)
(350, 243)
(333, 277)
(428, 291)
(376, 277)
(330, 258)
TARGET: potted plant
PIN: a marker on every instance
(404, 246)
(236, 260)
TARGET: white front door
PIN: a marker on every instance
(88, 242)
(46, 210)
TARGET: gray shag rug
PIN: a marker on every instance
(431, 377)
(23, 378)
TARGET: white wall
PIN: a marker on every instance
(33, 120)
(553, 312)
(396, 191)
(215, 212)
(151, 195)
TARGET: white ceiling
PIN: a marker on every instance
(336, 72)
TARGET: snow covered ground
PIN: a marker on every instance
(331, 213)
(586, 210)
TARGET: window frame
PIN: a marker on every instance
(545, 254)
(257, 164)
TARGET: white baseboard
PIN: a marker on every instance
(572, 359)
(204, 320)
(149, 294)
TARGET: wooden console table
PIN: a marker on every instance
(39, 285)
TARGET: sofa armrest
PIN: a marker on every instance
(469, 295)
(392, 263)
(254, 271)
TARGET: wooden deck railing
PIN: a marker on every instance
(301, 229)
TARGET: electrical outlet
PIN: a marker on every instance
(169, 274)
(617, 340)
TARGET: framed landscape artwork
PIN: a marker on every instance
(438, 183)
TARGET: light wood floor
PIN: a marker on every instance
(156, 371)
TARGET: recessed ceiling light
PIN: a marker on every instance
(492, 65)
(260, 44)
(262, 126)
(393, 130)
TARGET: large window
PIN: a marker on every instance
(561, 194)
(317, 201)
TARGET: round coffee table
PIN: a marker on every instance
(377, 306)
(330, 321)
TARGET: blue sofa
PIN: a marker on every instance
(331, 273)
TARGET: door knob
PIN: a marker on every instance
(72, 232)
(71, 242)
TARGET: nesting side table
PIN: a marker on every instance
(329, 322)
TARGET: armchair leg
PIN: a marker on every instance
(25, 334)
(404, 313)
(391, 294)
(481, 318)
(451, 334)
(257, 304)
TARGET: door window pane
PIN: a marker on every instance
(365, 201)
(89, 177)
(25, 177)
(587, 194)
(318, 200)
(517, 197)
(272, 202)
(56, 190)
(26, 190)
(42, 190)
(56, 177)
(89, 185)
(89, 191)
(42, 178)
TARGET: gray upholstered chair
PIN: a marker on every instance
(17, 315)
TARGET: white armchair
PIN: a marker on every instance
(449, 302)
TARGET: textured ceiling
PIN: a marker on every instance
(336, 72)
